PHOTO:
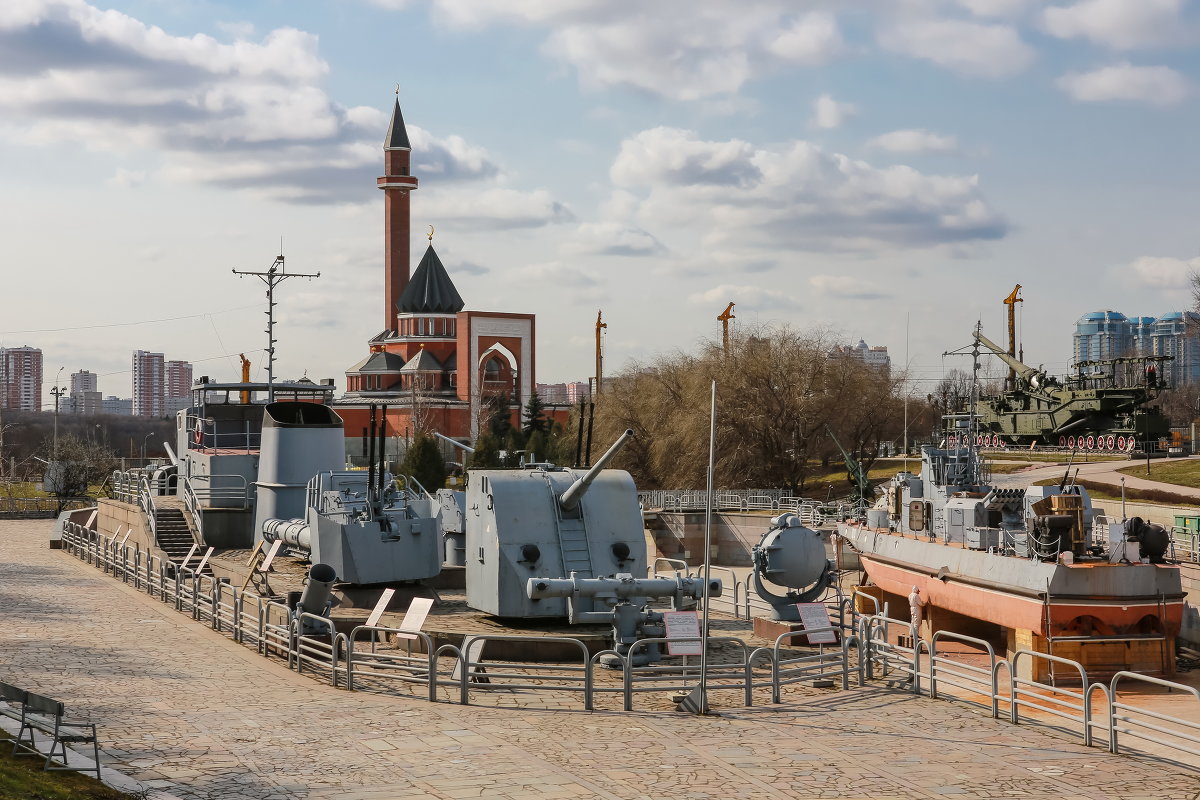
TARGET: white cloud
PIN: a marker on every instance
(970, 48)
(678, 49)
(996, 8)
(127, 178)
(614, 239)
(1119, 24)
(733, 196)
(829, 113)
(248, 115)
(914, 141)
(747, 297)
(845, 286)
(1165, 272)
(1159, 86)
(812, 39)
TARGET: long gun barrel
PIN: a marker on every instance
(1023, 370)
(571, 497)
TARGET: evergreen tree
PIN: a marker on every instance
(535, 416)
(536, 447)
(514, 443)
(424, 462)
(500, 421)
(487, 452)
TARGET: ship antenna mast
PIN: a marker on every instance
(973, 423)
(275, 275)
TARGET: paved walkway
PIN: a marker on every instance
(1102, 471)
(187, 709)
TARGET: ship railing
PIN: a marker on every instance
(1058, 701)
(204, 436)
(1185, 544)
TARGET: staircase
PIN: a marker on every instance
(175, 536)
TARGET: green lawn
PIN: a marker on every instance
(1108, 492)
(1181, 472)
(22, 778)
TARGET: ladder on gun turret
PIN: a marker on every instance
(573, 542)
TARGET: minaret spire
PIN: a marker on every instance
(396, 184)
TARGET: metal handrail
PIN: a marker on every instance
(246, 616)
(1059, 708)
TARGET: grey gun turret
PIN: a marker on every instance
(549, 522)
(570, 498)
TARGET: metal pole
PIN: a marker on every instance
(1123, 517)
(708, 511)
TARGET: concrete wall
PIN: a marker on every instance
(681, 535)
(113, 515)
(1163, 515)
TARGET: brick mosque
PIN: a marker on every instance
(432, 359)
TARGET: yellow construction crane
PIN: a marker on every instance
(245, 377)
(724, 318)
(1011, 301)
(600, 325)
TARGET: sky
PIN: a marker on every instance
(880, 169)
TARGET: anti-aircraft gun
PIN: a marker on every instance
(1097, 412)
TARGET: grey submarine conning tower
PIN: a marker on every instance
(549, 522)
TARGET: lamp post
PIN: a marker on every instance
(145, 439)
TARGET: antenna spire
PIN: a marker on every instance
(275, 275)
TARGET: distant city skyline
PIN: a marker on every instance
(881, 171)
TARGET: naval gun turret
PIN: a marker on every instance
(1105, 409)
(549, 522)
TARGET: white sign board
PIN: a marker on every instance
(266, 564)
(414, 618)
(814, 616)
(380, 607)
(188, 557)
(204, 560)
(682, 625)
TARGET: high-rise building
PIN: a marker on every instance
(178, 380)
(83, 381)
(148, 387)
(1110, 334)
(21, 378)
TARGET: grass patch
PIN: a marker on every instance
(1185, 472)
(1106, 491)
(1004, 469)
(22, 778)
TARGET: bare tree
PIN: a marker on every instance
(779, 389)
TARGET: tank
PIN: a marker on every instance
(549, 522)
(1104, 406)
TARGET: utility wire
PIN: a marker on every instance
(125, 324)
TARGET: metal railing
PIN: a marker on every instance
(361, 660)
(1185, 544)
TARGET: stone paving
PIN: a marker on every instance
(182, 707)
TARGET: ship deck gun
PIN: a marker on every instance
(569, 499)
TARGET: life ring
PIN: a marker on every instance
(198, 433)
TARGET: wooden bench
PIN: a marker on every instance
(39, 713)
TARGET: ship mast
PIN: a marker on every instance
(275, 275)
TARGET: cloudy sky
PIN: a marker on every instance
(857, 165)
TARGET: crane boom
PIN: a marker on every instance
(724, 318)
(1011, 301)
